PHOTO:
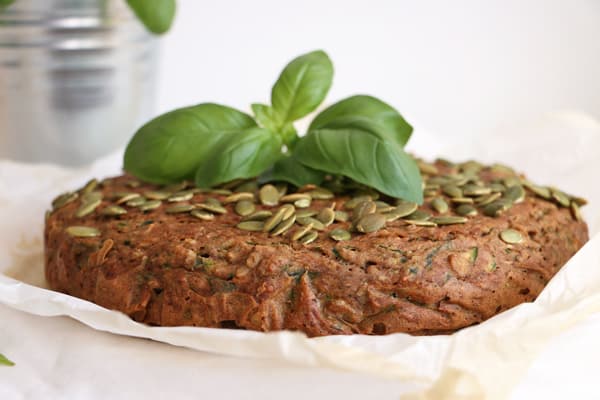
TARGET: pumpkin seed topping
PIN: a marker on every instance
(341, 216)
(87, 208)
(560, 197)
(420, 222)
(370, 223)
(137, 202)
(203, 215)
(340, 235)
(269, 195)
(244, 207)
(300, 232)
(260, 215)
(214, 208)
(181, 196)
(576, 212)
(466, 210)
(309, 237)
(179, 208)
(113, 210)
(316, 224)
(125, 197)
(253, 226)
(284, 226)
(274, 220)
(239, 196)
(156, 195)
(64, 199)
(306, 212)
(511, 236)
(439, 205)
(326, 216)
(150, 205)
(82, 231)
(448, 220)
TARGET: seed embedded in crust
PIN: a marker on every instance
(87, 208)
(64, 199)
(302, 203)
(137, 202)
(340, 234)
(181, 196)
(511, 236)
(90, 186)
(150, 205)
(113, 210)
(576, 212)
(353, 202)
(341, 216)
(82, 231)
(214, 208)
(125, 197)
(448, 220)
(452, 190)
(291, 198)
(419, 215)
(420, 222)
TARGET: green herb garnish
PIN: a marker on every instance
(6, 361)
(361, 138)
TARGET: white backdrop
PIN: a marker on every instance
(463, 66)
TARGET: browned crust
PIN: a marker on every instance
(178, 270)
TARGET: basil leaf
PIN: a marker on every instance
(266, 116)
(364, 157)
(362, 107)
(243, 154)
(156, 15)
(302, 86)
(289, 169)
(6, 361)
(6, 3)
(170, 147)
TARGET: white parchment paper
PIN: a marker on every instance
(561, 149)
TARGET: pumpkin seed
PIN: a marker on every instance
(137, 202)
(487, 199)
(511, 181)
(497, 187)
(452, 190)
(404, 209)
(203, 215)
(420, 222)
(502, 169)
(515, 194)
(253, 226)
(291, 198)
(427, 168)
(82, 231)
(462, 200)
(306, 212)
(289, 210)
(340, 234)
(383, 207)
(448, 220)
(466, 210)
(113, 210)
(244, 207)
(560, 197)
(353, 202)
(259, 215)
(211, 201)
(300, 232)
(91, 197)
(214, 208)
(430, 193)
(439, 205)
(63, 199)
(220, 192)
(284, 226)
(282, 188)
(580, 201)
(419, 215)
(438, 181)
(362, 209)
(472, 190)
(150, 205)
(341, 216)
(321, 194)
(89, 186)
(239, 196)
(269, 195)
(87, 208)
(157, 195)
(124, 198)
(496, 208)
(309, 237)
(302, 203)
(576, 212)
(431, 186)
(326, 216)
(176, 187)
(181, 196)
(274, 220)
(371, 223)
(179, 208)
(318, 225)
(249, 186)
(511, 236)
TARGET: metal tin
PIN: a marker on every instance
(77, 77)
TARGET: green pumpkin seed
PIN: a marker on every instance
(470, 167)
(321, 194)
(404, 209)
(239, 196)
(90, 186)
(250, 187)
(576, 212)
(63, 199)
(282, 188)
(211, 201)
(284, 226)
(150, 205)
(371, 223)
(515, 194)
(496, 208)
(487, 199)
(326, 216)
(309, 237)
(511, 181)
(244, 207)
(353, 202)
(502, 169)
(274, 220)
(91, 197)
(300, 232)
(466, 210)
(87, 208)
(179, 208)
(383, 207)
(220, 192)
(560, 197)
(125, 197)
(289, 210)
(362, 209)
(511, 236)
(452, 190)
(259, 215)
(214, 208)
(318, 225)
(253, 226)
(82, 231)
(438, 181)
(497, 187)
(340, 235)
(462, 200)
(113, 210)
(341, 216)
(448, 220)
(181, 196)
(472, 190)
(269, 195)
(203, 215)
(427, 169)
(419, 215)
(137, 202)
(306, 212)
(420, 222)
(157, 195)
(291, 198)
(430, 193)
(439, 205)
(580, 201)
(540, 191)
(431, 186)
(302, 203)
(176, 187)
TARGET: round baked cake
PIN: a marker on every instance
(336, 259)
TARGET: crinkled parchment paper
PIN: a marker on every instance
(561, 149)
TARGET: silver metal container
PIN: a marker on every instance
(77, 77)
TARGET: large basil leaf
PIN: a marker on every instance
(290, 170)
(364, 157)
(365, 108)
(6, 3)
(170, 147)
(266, 116)
(156, 15)
(302, 86)
(243, 154)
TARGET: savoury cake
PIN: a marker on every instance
(335, 259)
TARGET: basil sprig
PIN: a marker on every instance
(361, 138)
(156, 15)
(6, 361)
